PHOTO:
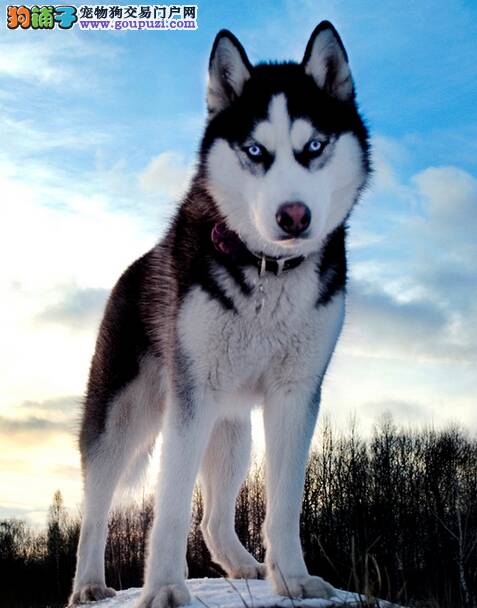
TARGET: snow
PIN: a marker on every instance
(239, 593)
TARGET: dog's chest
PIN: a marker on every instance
(277, 321)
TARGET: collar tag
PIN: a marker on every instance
(263, 266)
(280, 266)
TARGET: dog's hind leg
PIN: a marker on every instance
(101, 474)
(132, 425)
(223, 470)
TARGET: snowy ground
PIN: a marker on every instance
(232, 593)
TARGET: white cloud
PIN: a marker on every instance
(67, 233)
(387, 154)
(52, 252)
(51, 59)
(75, 307)
(410, 339)
(450, 202)
(167, 174)
(27, 138)
(30, 60)
(379, 326)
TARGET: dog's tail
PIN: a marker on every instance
(135, 475)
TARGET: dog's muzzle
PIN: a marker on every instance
(293, 217)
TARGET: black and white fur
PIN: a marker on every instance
(193, 338)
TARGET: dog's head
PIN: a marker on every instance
(285, 152)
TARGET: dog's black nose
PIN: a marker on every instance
(293, 217)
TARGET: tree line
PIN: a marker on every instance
(391, 516)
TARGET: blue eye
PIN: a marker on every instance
(255, 152)
(314, 146)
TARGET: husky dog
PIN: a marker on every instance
(241, 303)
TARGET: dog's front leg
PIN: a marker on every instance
(289, 417)
(186, 430)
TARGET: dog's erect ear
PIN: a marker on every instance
(326, 60)
(229, 69)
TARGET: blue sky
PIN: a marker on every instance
(98, 133)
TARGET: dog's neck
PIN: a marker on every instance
(230, 246)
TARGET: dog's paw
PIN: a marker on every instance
(167, 596)
(90, 593)
(303, 586)
(248, 571)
